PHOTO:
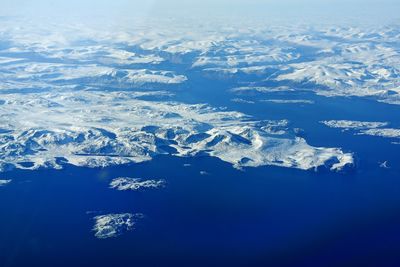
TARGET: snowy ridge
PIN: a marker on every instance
(101, 129)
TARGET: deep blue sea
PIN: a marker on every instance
(266, 216)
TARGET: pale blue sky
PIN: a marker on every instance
(368, 10)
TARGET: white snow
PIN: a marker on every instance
(365, 127)
(4, 182)
(79, 97)
(134, 184)
(357, 125)
(113, 225)
(384, 132)
(108, 128)
(288, 101)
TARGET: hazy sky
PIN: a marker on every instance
(368, 10)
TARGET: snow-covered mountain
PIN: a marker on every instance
(80, 96)
(92, 128)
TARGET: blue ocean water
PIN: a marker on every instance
(265, 216)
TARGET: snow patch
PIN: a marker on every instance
(134, 184)
(4, 182)
(113, 225)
